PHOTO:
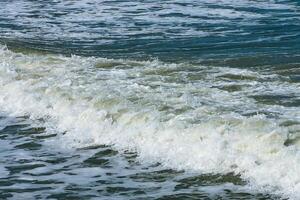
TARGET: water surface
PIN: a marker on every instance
(150, 100)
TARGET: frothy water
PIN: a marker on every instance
(150, 100)
(199, 119)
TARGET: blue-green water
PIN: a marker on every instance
(150, 100)
(168, 30)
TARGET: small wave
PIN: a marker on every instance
(166, 112)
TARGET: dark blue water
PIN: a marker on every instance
(169, 30)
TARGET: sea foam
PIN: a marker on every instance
(162, 112)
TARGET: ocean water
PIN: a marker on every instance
(150, 99)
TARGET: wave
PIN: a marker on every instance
(184, 116)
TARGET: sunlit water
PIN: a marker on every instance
(150, 100)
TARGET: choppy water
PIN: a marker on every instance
(150, 100)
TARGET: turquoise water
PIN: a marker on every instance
(150, 100)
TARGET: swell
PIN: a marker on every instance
(175, 114)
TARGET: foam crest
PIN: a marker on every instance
(158, 110)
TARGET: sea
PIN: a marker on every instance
(150, 100)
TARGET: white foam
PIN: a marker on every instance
(155, 109)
